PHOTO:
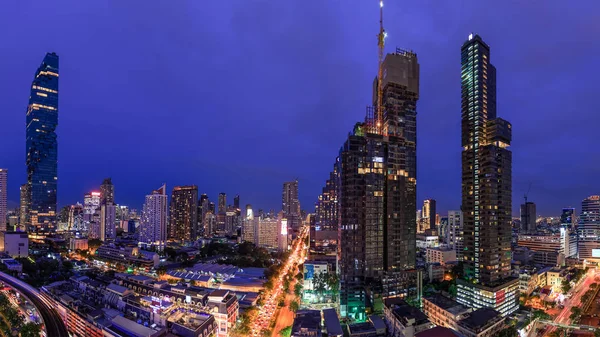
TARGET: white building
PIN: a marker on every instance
(440, 255)
(454, 232)
(15, 244)
(153, 225)
(425, 241)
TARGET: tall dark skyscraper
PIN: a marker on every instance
(528, 218)
(236, 201)
(184, 213)
(41, 144)
(486, 186)
(107, 192)
(375, 189)
(289, 199)
(222, 203)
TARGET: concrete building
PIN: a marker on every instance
(78, 243)
(483, 322)
(107, 192)
(108, 216)
(528, 218)
(486, 186)
(222, 203)
(307, 323)
(268, 232)
(443, 311)
(429, 214)
(153, 224)
(225, 307)
(3, 206)
(454, 233)
(588, 229)
(440, 255)
(184, 213)
(546, 248)
(15, 244)
(24, 220)
(427, 241)
(404, 320)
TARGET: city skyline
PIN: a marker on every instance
(82, 124)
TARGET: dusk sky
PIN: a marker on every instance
(240, 96)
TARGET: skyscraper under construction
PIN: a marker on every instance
(486, 187)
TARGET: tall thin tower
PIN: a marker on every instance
(486, 186)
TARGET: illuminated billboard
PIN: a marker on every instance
(596, 253)
(284, 227)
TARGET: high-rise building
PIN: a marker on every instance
(567, 217)
(486, 187)
(3, 206)
(248, 226)
(222, 203)
(108, 216)
(290, 202)
(588, 229)
(24, 207)
(236, 201)
(184, 213)
(153, 224)
(41, 144)
(454, 233)
(107, 192)
(376, 192)
(528, 218)
(210, 224)
(267, 232)
(325, 223)
(429, 213)
(75, 221)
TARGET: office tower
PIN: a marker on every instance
(91, 202)
(153, 224)
(236, 201)
(454, 233)
(429, 213)
(290, 205)
(375, 179)
(210, 224)
(184, 213)
(122, 213)
(24, 207)
(588, 229)
(211, 207)
(567, 217)
(324, 224)
(75, 221)
(41, 144)
(107, 192)
(3, 188)
(282, 237)
(248, 226)
(486, 187)
(528, 218)
(267, 232)
(108, 216)
(222, 203)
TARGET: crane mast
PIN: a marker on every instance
(380, 43)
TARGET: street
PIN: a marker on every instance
(267, 311)
(574, 301)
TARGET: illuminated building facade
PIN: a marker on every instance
(3, 187)
(222, 203)
(486, 187)
(454, 233)
(376, 193)
(184, 213)
(153, 224)
(588, 229)
(42, 145)
(429, 209)
(24, 206)
(108, 216)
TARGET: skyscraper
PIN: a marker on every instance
(3, 188)
(107, 192)
(376, 192)
(588, 229)
(429, 213)
(454, 233)
(236, 201)
(41, 144)
(184, 213)
(222, 203)
(24, 207)
(290, 203)
(486, 187)
(108, 229)
(528, 218)
(153, 224)
(567, 217)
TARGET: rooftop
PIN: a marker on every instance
(307, 320)
(439, 331)
(480, 319)
(332, 322)
(446, 304)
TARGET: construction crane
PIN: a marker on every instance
(381, 44)
(527, 193)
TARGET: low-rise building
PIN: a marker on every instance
(529, 280)
(121, 327)
(307, 323)
(126, 255)
(15, 244)
(332, 323)
(225, 307)
(12, 264)
(555, 277)
(443, 311)
(440, 255)
(484, 322)
(425, 241)
(404, 320)
(78, 243)
(190, 324)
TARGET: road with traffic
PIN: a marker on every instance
(267, 311)
(53, 323)
(563, 316)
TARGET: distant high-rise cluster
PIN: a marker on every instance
(42, 147)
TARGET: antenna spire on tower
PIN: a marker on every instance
(381, 44)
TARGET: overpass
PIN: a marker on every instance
(53, 323)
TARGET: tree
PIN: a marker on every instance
(597, 333)
(557, 333)
(565, 286)
(298, 289)
(509, 332)
(593, 285)
(161, 271)
(294, 306)
(93, 244)
(30, 330)
(286, 332)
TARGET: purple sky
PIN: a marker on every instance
(239, 96)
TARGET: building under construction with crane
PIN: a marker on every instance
(375, 181)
